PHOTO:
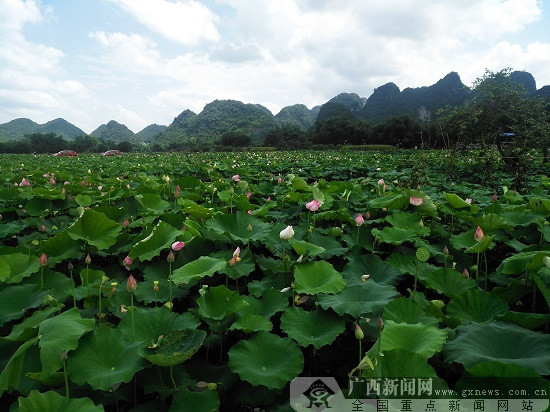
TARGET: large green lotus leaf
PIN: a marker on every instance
(174, 348)
(355, 300)
(204, 401)
(476, 305)
(317, 277)
(252, 323)
(219, 302)
(242, 268)
(400, 363)
(58, 334)
(16, 300)
(480, 247)
(522, 217)
(491, 221)
(51, 401)
(410, 264)
(198, 211)
(5, 269)
(464, 240)
(501, 342)
(152, 202)
(305, 248)
(160, 238)
(61, 247)
(38, 207)
(393, 235)
(392, 202)
(267, 360)
(270, 302)
(21, 265)
(11, 372)
(425, 340)
(456, 201)
(236, 227)
(374, 267)
(404, 220)
(403, 310)
(157, 271)
(28, 328)
(449, 282)
(525, 320)
(331, 245)
(518, 263)
(503, 370)
(198, 269)
(83, 200)
(150, 323)
(96, 229)
(103, 358)
(316, 327)
(12, 228)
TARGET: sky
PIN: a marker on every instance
(145, 61)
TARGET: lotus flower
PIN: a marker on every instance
(416, 201)
(24, 182)
(313, 205)
(359, 219)
(236, 178)
(177, 246)
(465, 273)
(131, 284)
(286, 234)
(177, 191)
(468, 200)
(43, 260)
(235, 257)
(381, 182)
(127, 262)
(478, 235)
(125, 223)
(52, 181)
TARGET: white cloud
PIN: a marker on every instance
(186, 22)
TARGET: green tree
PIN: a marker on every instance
(235, 139)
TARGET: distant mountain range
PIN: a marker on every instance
(221, 116)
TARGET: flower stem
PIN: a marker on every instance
(42, 277)
(170, 283)
(172, 378)
(132, 314)
(66, 380)
(72, 281)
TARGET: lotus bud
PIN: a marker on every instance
(287, 289)
(113, 287)
(379, 322)
(359, 335)
(43, 260)
(313, 205)
(127, 262)
(286, 234)
(494, 199)
(177, 246)
(70, 266)
(359, 219)
(364, 278)
(177, 191)
(446, 250)
(416, 201)
(125, 223)
(300, 259)
(367, 215)
(42, 228)
(438, 303)
(131, 284)
(454, 266)
(465, 273)
(170, 258)
(155, 285)
(381, 182)
(478, 235)
(64, 356)
(88, 259)
(235, 257)
(249, 226)
(421, 223)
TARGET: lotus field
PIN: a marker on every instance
(210, 281)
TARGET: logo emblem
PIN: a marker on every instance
(318, 394)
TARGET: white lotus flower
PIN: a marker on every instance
(286, 234)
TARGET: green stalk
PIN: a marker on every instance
(415, 277)
(172, 378)
(132, 314)
(72, 281)
(88, 284)
(170, 283)
(66, 381)
(477, 270)
(360, 352)
(42, 277)
(486, 270)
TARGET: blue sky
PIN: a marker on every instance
(145, 61)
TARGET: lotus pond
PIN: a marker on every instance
(173, 281)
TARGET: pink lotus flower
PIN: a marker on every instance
(468, 200)
(235, 257)
(131, 284)
(46, 175)
(66, 183)
(177, 246)
(43, 260)
(280, 180)
(249, 212)
(52, 181)
(127, 262)
(177, 191)
(236, 178)
(248, 194)
(313, 205)
(359, 219)
(416, 201)
(83, 183)
(381, 182)
(478, 235)
(24, 182)
(125, 223)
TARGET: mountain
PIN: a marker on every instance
(297, 114)
(350, 101)
(217, 118)
(386, 101)
(148, 133)
(114, 132)
(18, 128)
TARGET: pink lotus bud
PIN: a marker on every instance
(478, 235)
(131, 284)
(416, 201)
(88, 259)
(63, 191)
(46, 175)
(249, 212)
(66, 183)
(43, 260)
(359, 334)
(379, 322)
(248, 194)
(177, 191)
(52, 181)
(99, 187)
(367, 215)
(279, 180)
(446, 250)
(359, 219)
(42, 228)
(177, 246)
(235, 257)
(313, 205)
(268, 199)
(236, 178)
(125, 223)
(170, 258)
(465, 273)
(127, 262)
(494, 199)
(83, 183)
(24, 182)
(468, 200)
(381, 182)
